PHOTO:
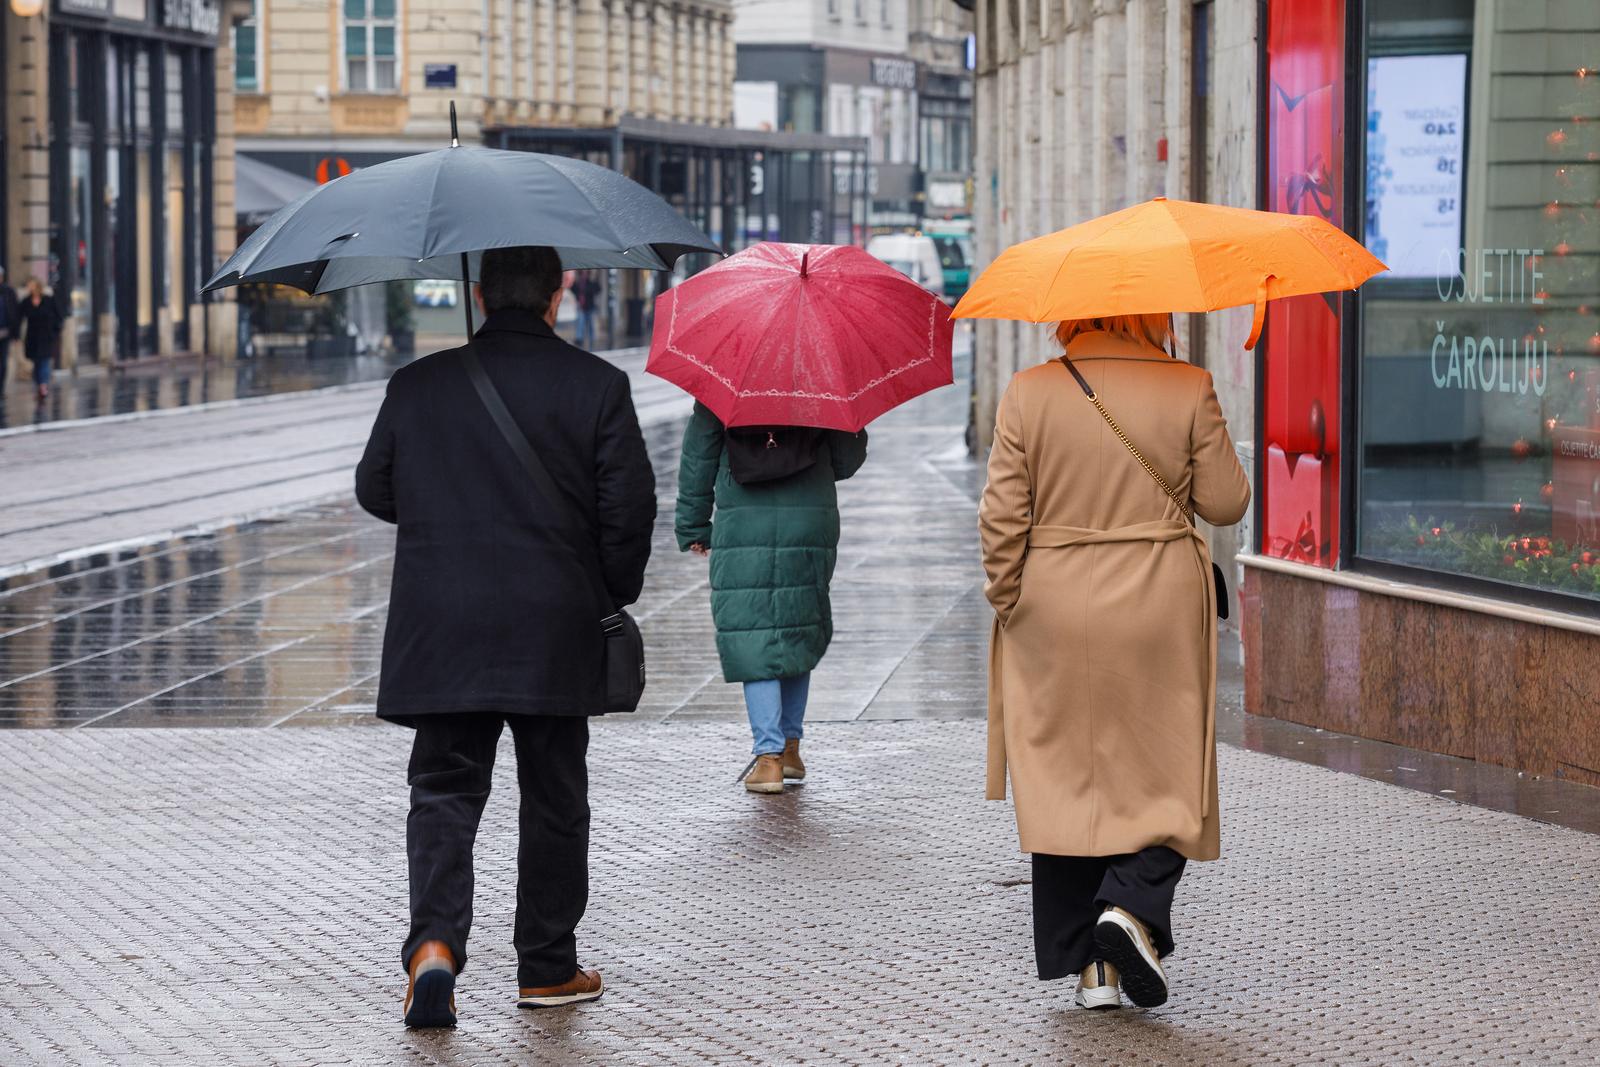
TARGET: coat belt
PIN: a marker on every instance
(1068, 536)
(1156, 530)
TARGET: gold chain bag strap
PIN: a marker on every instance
(1183, 505)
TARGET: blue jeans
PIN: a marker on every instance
(777, 708)
(585, 329)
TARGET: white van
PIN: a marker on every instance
(913, 254)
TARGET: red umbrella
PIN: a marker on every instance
(801, 335)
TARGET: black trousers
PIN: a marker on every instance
(452, 759)
(1070, 892)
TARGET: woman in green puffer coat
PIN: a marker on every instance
(773, 545)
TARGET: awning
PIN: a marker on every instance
(261, 189)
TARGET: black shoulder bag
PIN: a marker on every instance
(1183, 505)
(758, 454)
(624, 644)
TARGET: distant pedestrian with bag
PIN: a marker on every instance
(10, 326)
(517, 475)
(761, 502)
(1102, 685)
(41, 343)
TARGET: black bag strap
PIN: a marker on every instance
(546, 485)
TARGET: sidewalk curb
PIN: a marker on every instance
(242, 401)
(210, 405)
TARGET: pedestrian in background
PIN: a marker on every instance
(10, 327)
(41, 342)
(495, 620)
(1102, 675)
(761, 502)
(586, 291)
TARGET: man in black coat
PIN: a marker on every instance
(494, 617)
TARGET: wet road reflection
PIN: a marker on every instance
(281, 622)
(182, 383)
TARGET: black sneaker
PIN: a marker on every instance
(1124, 943)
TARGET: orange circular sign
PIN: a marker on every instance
(332, 167)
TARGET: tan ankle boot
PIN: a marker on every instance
(765, 775)
(793, 766)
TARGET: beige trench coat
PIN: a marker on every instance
(1102, 685)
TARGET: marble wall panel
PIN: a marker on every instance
(1423, 675)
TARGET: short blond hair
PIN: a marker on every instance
(1154, 329)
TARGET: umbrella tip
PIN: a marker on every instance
(804, 259)
(455, 134)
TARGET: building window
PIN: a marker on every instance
(369, 46)
(833, 10)
(1480, 348)
(884, 14)
(247, 53)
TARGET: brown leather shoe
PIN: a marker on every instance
(431, 992)
(584, 985)
(765, 774)
(793, 766)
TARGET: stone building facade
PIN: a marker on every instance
(859, 69)
(1088, 106)
(939, 39)
(642, 86)
(117, 172)
(379, 75)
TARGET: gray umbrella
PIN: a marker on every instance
(433, 215)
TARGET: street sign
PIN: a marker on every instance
(439, 75)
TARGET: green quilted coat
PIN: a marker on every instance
(773, 549)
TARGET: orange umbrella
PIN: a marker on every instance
(1168, 255)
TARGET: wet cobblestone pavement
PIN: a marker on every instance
(229, 896)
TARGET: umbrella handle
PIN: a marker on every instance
(1260, 318)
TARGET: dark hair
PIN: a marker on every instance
(524, 278)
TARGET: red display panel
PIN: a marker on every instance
(1305, 175)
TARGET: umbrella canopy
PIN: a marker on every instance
(416, 216)
(261, 189)
(1168, 255)
(801, 335)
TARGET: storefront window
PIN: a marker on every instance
(1480, 349)
(113, 210)
(246, 55)
(82, 201)
(369, 45)
(174, 283)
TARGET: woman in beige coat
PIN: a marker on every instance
(1102, 685)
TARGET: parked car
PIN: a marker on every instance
(912, 254)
